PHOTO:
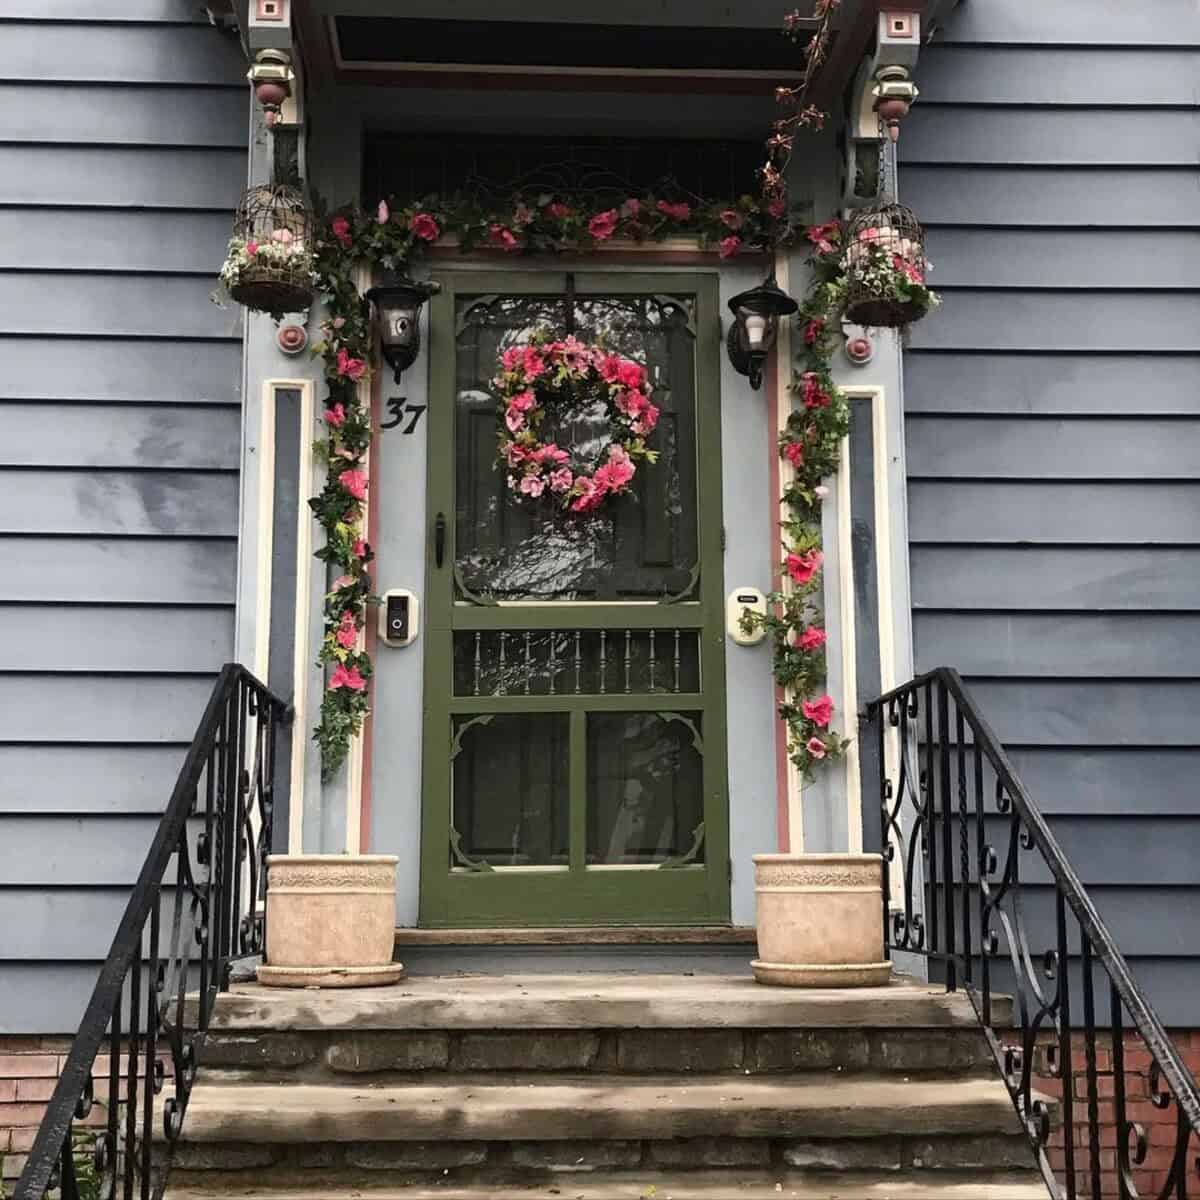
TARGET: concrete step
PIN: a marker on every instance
(618, 1001)
(638, 1185)
(599, 1108)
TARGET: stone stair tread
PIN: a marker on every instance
(637, 1185)
(595, 1001)
(600, 1107)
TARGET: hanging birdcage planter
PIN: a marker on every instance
(885, 268)
(270, 261)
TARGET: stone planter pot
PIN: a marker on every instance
(331, 921)
(820, 920)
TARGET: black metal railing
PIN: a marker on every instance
(196, 909)
(976, 884)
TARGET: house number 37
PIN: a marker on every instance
(400, 408)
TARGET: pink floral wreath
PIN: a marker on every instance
(536, 373)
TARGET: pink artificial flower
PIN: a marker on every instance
(777, 208)
(336, 416)
(802, 567)
(514, 455)
(816, 748)
(913, 273)
(823, 236)
(550, 453)
(631, 207)
(868, 235)
(513, 358)
(533, 362)
(818, 711)
(340, 582)
(647, 421)
(347, 631)
(251, 248)
(732, 219)
(814, 395)
(522, 215)
(820, 491)
(729, 246)
(620, 467)
(602, 225)
(589, 496)
(282, 236)
(523, 401)
(813, 330)
(560, 211)
(360, 548)
(609, 367)
(813, 638)
(425, 227)
(355, 482)
(630, 374)
(338, 322)
(532, 485)
(574, 353)
(677, 212)
(561, 480)
(383, 214)
(347, 678)
(351, 368)
(794, 453)
(341, 230)
(502, 236)
(514, 419)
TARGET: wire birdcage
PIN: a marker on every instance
(272, 249)
(884, 243)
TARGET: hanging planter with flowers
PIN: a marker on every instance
(885, 269)
(269, 266)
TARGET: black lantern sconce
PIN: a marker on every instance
(756, 326)
(398, 314)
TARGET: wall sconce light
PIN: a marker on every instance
(398, 314)
(894, 94)
(271, 77)
(756, 327)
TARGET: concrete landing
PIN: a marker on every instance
(594, 1002)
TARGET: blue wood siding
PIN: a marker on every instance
(1053, 432)
(119, 468)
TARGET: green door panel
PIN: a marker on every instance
(574, 758)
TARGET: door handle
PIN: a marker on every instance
(439, 539)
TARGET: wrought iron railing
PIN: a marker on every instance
(197, 908)
(976, 884)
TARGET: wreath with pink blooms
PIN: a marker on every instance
(537, 375)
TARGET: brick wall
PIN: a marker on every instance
(29, 1067)
(1159, 1124)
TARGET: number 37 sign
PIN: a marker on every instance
(402, 414)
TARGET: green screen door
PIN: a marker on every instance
(574, 742)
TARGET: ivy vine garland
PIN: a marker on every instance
(349, 239)
(537, 375)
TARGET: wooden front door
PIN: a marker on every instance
(574, 740)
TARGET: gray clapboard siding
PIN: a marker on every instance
(115, 305)
(145, 54)
(938, 382)
(90, 176)
(1017, 578)
(100, 708)
(1078, 644)
(946, 447)
(1092, 513)
(1076, 23)
(178, 12)
(128, 502)
(108, 240)
(100, 570)
(94, 780)
(1114, 782)
(105, 435)
(1062, 320)
(123, 116)
(1068, 197)
(98, 851)
(1119, 77)
(195, 372)
(1091, 712)
(81, 638)
(117, 184)
(1062, 258)
(1053, 137)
